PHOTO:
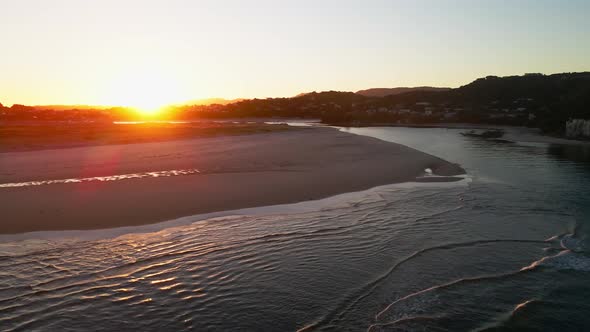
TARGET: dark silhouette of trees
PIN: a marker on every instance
(545, 101)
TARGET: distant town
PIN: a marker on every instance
(558, 104)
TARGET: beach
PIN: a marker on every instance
(228, 172)
(515, 227)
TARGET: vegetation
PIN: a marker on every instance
(544, 101)
(383, 92)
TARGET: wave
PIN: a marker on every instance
(353, 299)
(565, 260)
(453, 284)
(108, 178)
(502, 320)
(339, 201)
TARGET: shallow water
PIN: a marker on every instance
(140, 175)
(504, 249)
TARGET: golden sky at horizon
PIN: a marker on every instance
(151, 53)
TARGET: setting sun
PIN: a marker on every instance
(294, 165)
(146, 89)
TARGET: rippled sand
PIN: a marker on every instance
(401, 257)
(506, 248)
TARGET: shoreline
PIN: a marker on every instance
(333, 201)
(241, 172)
(512, 133)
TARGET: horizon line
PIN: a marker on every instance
(235, 99)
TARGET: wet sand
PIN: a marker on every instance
(31, 136)
(234, 172)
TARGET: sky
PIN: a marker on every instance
(147, 53)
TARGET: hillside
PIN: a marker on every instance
(212, 101)
(544, 101)
(383, 92)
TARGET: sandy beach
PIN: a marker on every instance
(234, 172)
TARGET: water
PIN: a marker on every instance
(140, 175)
(505, 249)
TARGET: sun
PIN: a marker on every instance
(146, 90)
(150, 105)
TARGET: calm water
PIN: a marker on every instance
(505, 249)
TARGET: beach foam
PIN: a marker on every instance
(333, 202)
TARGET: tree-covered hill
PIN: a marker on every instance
(545, 101)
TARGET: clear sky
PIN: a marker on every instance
(143, 52)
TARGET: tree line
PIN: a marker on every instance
(544, 101)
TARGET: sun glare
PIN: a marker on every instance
(147, 90)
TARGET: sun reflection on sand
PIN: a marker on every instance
(140, 175)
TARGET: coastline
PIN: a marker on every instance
(330, 202)
(236, 172)
(512, 133)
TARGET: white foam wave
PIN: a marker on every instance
(565, 260)
(571, 243)
(330, 203)
(140, 175)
